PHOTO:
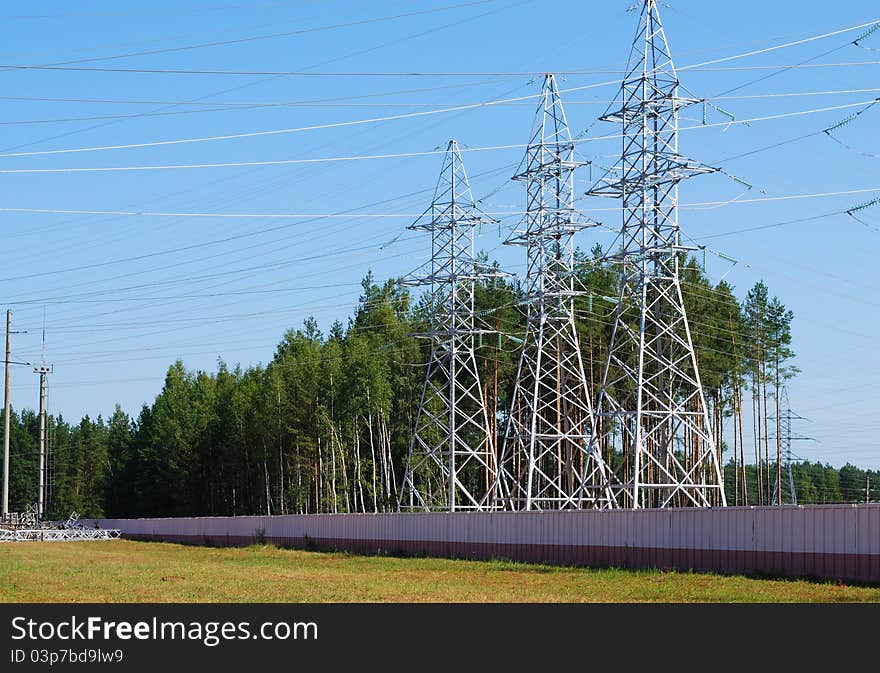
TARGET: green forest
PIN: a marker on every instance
(325, 426)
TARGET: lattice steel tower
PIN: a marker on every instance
(651, 411)
(43, 370)
(452, 462)
(549, 456)
(786, 416)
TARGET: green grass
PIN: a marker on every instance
(126, 571)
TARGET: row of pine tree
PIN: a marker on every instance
(325, 426)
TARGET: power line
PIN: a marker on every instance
(374, 120)
(104, 292)
(400, 155)
(351, 215)
(827, 131)
(198, 102)
(254, 38)
(696, 286)
(473, 73)
(242, 86)
(781, 46)
(593, 317)
(233, 107)
(255, 134)
(779, 71)
(773, 225)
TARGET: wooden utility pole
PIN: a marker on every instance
(6, 416)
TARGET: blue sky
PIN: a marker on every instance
(125, 295)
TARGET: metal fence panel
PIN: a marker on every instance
(832, 541)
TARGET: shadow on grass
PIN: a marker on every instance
(502, 564)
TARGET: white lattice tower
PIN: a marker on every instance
(651, 412)
(452, 463)
(550, 459)
(786, 437)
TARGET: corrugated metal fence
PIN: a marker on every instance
(821, 541)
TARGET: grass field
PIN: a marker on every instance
(125, 571)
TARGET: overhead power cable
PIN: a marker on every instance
(354, 215)
(70, 65)
(199, 101)
(773, 225)
(235, 107)
(345, 101)
(321, 63)
(399, 155)
(255, 38)
(474, 73)
(795, 43)
(314, 127)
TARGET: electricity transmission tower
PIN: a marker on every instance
(651, 411)
(786, 416)
(452, 462)
(43, 370)
(549, 457)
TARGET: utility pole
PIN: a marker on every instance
(6, 409)
(43, 370)
(451, 464)
(651, 406)
(6, 415)
(550, 456)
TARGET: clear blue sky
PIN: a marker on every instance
(160, 288)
